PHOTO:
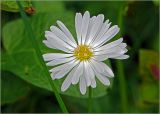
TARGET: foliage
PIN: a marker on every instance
(24, 85)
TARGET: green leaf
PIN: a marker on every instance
(20, 54)
(11, 6)
(12, 88)
(49, 6)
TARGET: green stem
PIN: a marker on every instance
(90, 100)
(39, 55)
(120, 71)
(122, 86)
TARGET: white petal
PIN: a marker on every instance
(109, 55)
(49, 44)
(97, 67)
(61, 73)
(82, 85)
(85, 24)
(91, 23)
(122, 45)
(62, 67)
(107, 70)
(51, 56)
(78, 26)
(95, 28)
(103, 79)
(110, 45)
(59, 61)
(102, 68)
(111, 52)
(114, 50)
(88, 72)
(108, 35)
(101, 33)
(67, 81)
(62, 36)
(58, 43)
(122, 57)
(78, 72)
(93, 83)
(66, 31)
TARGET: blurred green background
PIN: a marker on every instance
(24, 87)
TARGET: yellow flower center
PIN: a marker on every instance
(83, 52)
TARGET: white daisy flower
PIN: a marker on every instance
(82, 61)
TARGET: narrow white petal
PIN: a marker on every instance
(122, 45)
(102, 68)
(49, 44)
(93, 83)
(51, 56)
(58, 43)
(66, 31)
(62, 36)
(62, 72)
(78, 72)
(67, 81)
(62, 67)
(122, 57)
(114, 50)
(107, 70)
(78, 26)
(87, 73)
(109, 55)
(96, 66)
(110, 45)
(85, 24)
(90, 71)
(104, 80)
(95, 28)
(101, 33)
(111, 52)
(108, 35)
(59, 61)
(82, 85)
(91, 23)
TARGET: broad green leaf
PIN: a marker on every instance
(12, 88)
(12, 6)
(20, 57)
(49, 6)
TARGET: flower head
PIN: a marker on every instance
(82, 61)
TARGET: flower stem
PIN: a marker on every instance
(39, 55)
(120, 71)
(122, 86)
(90, 100)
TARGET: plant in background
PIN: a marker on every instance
(82, 61)
(138, 23)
